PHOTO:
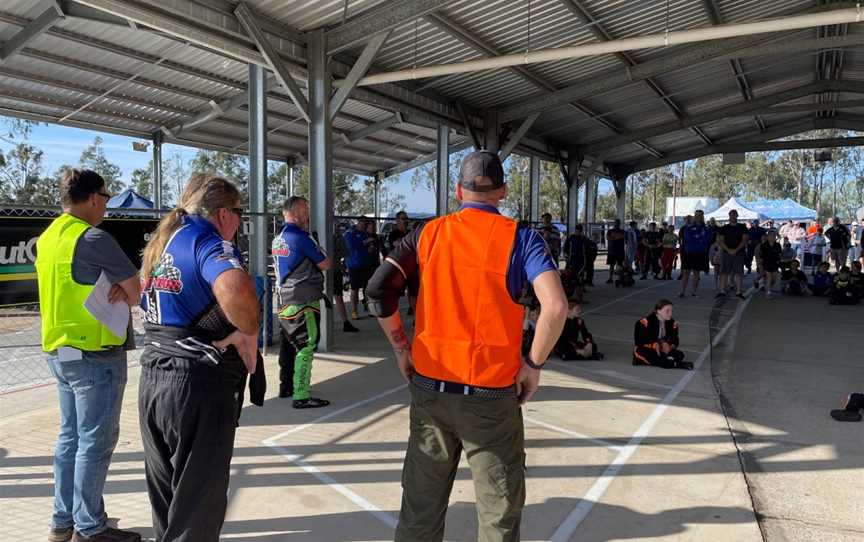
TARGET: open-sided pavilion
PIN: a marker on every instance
(376, 87)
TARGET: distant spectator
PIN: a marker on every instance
(839, 240)
(632, 243)
(822, 280)
(794, 280)
(670, 251)
(399, 230)
(716, 258)
(769, 226)
(787, 256)
(656, 340)
(551, 235)
(733, 242)
(857, 278)
(653, 243)
(770, 254)
(591, 251)
(337, 278)
(357, 263)
(616, 247)
(843, 292)
(576, 342)
(695, 245)
(755, 236)
(574, 252)
(814, 249)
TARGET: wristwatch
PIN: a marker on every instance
(529, 363)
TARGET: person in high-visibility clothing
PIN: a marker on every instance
(86, 357)
(468, 376)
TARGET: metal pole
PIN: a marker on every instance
(491, 126)
(834, 202)
(376, 196)
(534, 176)
(321, 164)
(157, 170)
(442, 172)
(621, 203)
(257, 170)
(654, 200)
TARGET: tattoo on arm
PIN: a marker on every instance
(398, 338)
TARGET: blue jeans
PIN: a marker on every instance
(91, 394)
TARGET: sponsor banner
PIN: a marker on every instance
(18, 251)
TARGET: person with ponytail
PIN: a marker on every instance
(201, 329)
(656, 338)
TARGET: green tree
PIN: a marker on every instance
(142, 180)
(93, 158)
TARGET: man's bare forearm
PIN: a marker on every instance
(395, 332)
(549, 327)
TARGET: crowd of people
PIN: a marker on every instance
(470, 371)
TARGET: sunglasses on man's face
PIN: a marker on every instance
(236, 210)
(104, 195)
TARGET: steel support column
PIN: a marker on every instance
(321, 164)
(491, 127)
(442, 171)
(157, 170)
(534, 180)
(257, 170)
(590, 183)
(572, 180)
(621, 198)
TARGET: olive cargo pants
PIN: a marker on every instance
(493, 437)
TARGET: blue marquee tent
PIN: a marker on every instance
(129, 199)
(782, 209)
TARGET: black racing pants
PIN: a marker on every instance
(644, 355)
(652, 261)
(188, 417)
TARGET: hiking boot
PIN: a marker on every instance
(311, 402)
(348, 327)
(60, 534)
(108, 535)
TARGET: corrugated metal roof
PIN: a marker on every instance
(150, 79)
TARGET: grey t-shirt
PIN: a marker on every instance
(95, 252)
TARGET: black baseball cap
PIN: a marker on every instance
(481, 171)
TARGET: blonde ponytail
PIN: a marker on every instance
(203, 195)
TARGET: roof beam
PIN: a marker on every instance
(833, 142)
(782, 130)
(517, 136)
(274, 61)
(723, 112)
(374, 128)
(746, 47)
(601, 34)
(426, 158)
(381, 18)
(358, 70)
(37, 26)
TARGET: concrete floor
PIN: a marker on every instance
(615, 452)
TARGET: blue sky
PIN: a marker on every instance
(63, 145)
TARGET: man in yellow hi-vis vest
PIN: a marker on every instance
(87, 359)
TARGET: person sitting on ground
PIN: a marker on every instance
(670, 250)
(794, 280)
(656, 340)
(850, 411)
(576, 342)
(852, 406)
(770, 253)
(787, 256)
(843, 292)
(529, 326)
(624, 276)
(822, 280)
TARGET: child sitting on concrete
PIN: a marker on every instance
(624, 276)
(794, 280)
(822, 280)
(576, 342)
(843, 292)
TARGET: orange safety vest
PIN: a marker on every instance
(468, 328)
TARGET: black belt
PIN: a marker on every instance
(442, 386)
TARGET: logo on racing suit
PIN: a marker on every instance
(280, 247)
(165, 277)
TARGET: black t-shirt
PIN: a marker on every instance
(838, 236)
(797, 275)
(733, 233)
(770, 255)
(617, 240)
(394, 237)
(653, 238)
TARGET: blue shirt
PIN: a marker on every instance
(180, 286)
(697, 238)
(530, 255)
(290, 248)
(355, 242)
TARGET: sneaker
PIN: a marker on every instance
(686, 365)
(740, 296)
(354, 315)
(854, 402)
(609, 281)
(311, 402)
(348, 327)
(720, 295)
(60, 534)
(844, 415)
(694, 294)
(108, 535)
(681, 294)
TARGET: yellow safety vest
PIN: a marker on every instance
(65, 321)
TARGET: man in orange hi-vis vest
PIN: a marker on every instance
(468, 377)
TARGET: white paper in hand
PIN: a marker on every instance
(114, 316)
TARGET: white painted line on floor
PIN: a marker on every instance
(595, 493)
(574, 434)
(622, 298)
(610, 374)
(325, 478)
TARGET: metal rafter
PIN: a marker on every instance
(713, 12)
(381, 18)
(601, 34)
(361, 66)
(37, 26)
(469, 39)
